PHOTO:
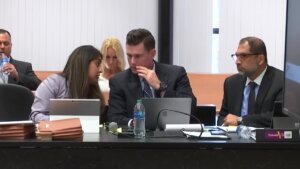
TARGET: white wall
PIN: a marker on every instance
(193, 35)
(45, 32)
(262, 18)
(238, 19)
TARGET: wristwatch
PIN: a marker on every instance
(163, 87)
(240, 120)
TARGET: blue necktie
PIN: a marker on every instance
(251, 99)
(147, 90)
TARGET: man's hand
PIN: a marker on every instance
(149, 75)
(10, 68)
(231, 119)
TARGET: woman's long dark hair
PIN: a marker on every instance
(76, 73)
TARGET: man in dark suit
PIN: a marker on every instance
(19, 72)
(127, 86)
(257, 77)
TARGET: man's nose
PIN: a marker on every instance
(132, 60)
(237, 61)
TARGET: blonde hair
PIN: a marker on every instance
(116, 45)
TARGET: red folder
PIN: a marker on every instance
(60, 129)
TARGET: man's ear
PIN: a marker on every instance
(153, 52)
(262, 59)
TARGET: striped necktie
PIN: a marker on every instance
(147, 90)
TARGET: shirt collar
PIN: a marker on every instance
(258, 79)
(8, 58)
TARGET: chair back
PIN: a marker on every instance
(15, 102)
(206, 113)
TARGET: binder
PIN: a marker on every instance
(17, 129)
(60, 129)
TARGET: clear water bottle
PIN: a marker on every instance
(139, 120)
(243, 132)
(4, 74)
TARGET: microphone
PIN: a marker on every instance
(113, 127)
(183, 113)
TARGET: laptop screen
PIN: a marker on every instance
(162, 111)
(87, 110)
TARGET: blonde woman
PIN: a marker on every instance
(113, 61)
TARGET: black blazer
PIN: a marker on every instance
(125, 89)
(270, 90)
(27, 76)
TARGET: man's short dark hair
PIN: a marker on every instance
(2, 31)
(136, 36)
(257, 46)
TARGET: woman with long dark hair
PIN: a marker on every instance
(79, 80)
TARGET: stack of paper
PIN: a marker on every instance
(205, 135)
(16, 129)
(64, 129)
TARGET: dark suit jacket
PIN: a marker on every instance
(270, 90)
(125, 89)
(27, 77)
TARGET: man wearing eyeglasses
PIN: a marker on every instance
(249, 96)
(20, 73)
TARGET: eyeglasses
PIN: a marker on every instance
(5, 43)
(242, 56)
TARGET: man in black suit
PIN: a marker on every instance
(19, 72)
(239, 105)
(127, 86)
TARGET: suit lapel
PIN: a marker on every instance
(161, 76)
(239, 90)
(263, 89)
(134, 85)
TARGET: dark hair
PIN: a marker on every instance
(257, 46)
(76, 74)
(136, 36)
(4, 31)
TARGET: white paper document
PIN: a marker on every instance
(205, 134)
(186, 127)
(16, 122)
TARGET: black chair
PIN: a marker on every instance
(103, 116)
(280, 120)
(15, 102)
(206, 113)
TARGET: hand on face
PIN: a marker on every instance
(230, 119)
(149, 75)
(138, 56)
